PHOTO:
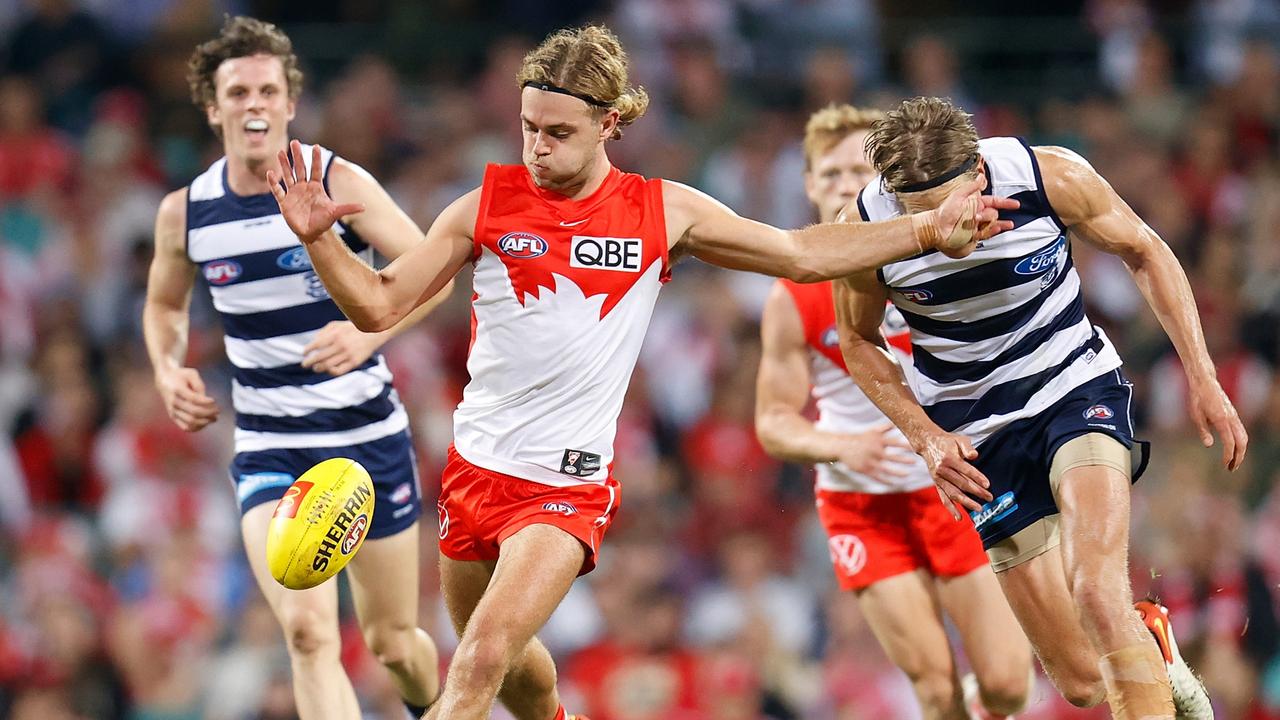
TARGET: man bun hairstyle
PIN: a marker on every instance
(590, 64)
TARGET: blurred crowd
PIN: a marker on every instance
(124, 591)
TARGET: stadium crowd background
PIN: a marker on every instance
(124, 591)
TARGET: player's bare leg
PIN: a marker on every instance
(1037, 593)
(906, 619)
(384, 586)
(529, 689)
(536, 567)
(1094, 500)
(996, 647)
(309, 618)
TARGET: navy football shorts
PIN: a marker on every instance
(263, 475)
(1016, 458)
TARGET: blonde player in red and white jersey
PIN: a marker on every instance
(569, 254)
(891, 541)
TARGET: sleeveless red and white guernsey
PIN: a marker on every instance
(563, 294)
(842, 406)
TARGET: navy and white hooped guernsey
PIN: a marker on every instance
(1002, 334)
(272, 304)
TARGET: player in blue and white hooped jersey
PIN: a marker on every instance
(1023, 413)
(308, 385)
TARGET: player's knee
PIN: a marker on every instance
(309, 634)
(391, 643)
(1005, 689)
(936, 691)
(1083, 692)
(485, 659)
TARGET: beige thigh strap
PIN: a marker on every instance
(1087, 450)
(1029, 542)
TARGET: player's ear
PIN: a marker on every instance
(608, 124)
(213, 114)
(292, 108)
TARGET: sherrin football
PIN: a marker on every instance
(320, 523)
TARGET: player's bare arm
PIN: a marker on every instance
(860, 301)
(705, 228)
(339, 346)
(373, 300)
(782, 391)
(1087, 204)
(166, 319)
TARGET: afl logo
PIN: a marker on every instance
(1043, 260)
(295, 259)
(354, 535)
(1099, 412)
(522, 245)
(221, 272)
(560, 508)
(917, 296)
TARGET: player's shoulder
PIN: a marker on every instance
(173, 208)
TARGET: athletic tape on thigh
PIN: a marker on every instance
(1088, 450)
(1030, 542)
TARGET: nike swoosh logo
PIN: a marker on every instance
(571, 224)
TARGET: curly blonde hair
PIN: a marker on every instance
(240, 37)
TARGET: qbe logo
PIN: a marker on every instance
(605, 253)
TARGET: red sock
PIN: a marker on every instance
(560, 714)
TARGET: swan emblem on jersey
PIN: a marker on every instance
(522, 245)
(848, 552)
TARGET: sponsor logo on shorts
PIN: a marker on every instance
(847, 553)
(579, 462)
(443, 514)
(522, 245)
(288, 505)
(560, 507)
(221, 272)
(995, 510)
(251, 483)
(355, 534)
(295, 259)
(917, 295)
(605, 253)
(1099, 412)
(402, 493)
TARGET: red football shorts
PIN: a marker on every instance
(873, 537)
(480, 508)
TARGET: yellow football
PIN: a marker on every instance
(320, 523)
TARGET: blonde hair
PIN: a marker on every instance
(587, 61)
(829, 127)
(240, 37)
(920, 140)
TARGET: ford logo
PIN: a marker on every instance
(295, 259)
(1043, 260)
